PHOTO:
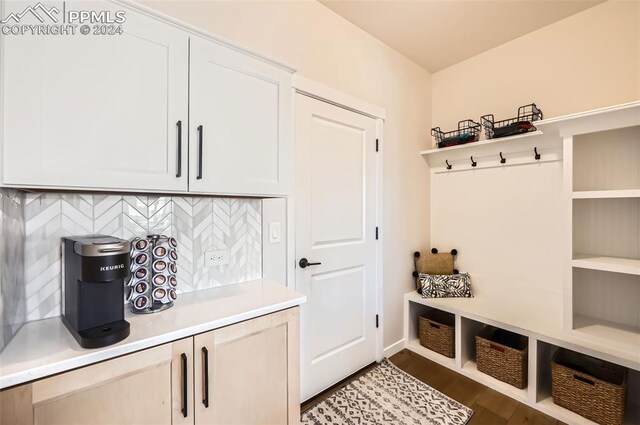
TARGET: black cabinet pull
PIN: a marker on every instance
(179, 172)
(183, 358)
(200, 137)
(205, 372)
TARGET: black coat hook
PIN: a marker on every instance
(502, 159)
(448, 165)
(537, 155)
(473, 163)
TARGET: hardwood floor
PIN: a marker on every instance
(490, 407)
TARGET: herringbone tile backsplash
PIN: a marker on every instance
(199, 224)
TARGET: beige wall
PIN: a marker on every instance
(330, 50)
(586, 61)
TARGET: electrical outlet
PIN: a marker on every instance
(216, 258)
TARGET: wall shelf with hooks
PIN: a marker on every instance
(504, 152)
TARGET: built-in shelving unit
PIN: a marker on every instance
(544, 340)
(593, 306)
(602, 182)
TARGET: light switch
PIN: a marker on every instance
(274, 232)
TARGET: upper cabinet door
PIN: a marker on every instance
(96, 111)
(240, 123)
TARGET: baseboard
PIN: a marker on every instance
(393, 348)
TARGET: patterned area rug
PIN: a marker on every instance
(386, 395)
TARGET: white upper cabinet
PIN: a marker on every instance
(240, 123)
(96, 111)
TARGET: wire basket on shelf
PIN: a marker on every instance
(468, 131)
(523, 123)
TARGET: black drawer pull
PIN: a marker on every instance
(205, 372)
(183, 358)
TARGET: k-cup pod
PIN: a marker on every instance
(173, 255)
(159, 280)
(173, 281)
(172, 294)
(140, 244)
(159, 266)
(140, 259)
(140, 273)
(159, 293)
(160, 252)
(140, 287)
(173, 268)
(140, 302)
(173, 243)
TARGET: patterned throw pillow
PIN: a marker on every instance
(446, 286)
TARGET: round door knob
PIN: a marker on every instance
(303, 263)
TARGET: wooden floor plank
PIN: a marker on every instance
(498, 403)
(526, 415)
(482, 416)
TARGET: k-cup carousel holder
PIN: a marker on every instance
(153, 282)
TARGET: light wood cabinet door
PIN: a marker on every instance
(248, 373)
(240, 123)
(96, 111)
(140, 388)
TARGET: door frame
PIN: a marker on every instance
(307, 87)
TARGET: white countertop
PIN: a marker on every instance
(46, 347)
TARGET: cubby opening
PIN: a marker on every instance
(545, 352)
(469, 329)
(607, 160)
(605, 305)
(413, 332)
(606, 228)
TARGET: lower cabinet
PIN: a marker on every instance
(246, 373)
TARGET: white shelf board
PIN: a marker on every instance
(469, 146)
(565, 415)
(607, 264)
(611, 332)
(603, 119)
(470, 369)
(606, 194)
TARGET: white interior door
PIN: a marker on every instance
(335, 227)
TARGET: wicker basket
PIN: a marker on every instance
(437, 332)
(588, 386)
(503, 355)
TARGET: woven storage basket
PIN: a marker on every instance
(503, 355)
(588, 386)
(437, 332)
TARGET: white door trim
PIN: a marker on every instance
(335, 97)
(327, 94)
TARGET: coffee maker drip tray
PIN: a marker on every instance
(103, 335)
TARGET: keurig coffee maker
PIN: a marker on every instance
(95, 269)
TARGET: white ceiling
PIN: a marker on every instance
(439, 33)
